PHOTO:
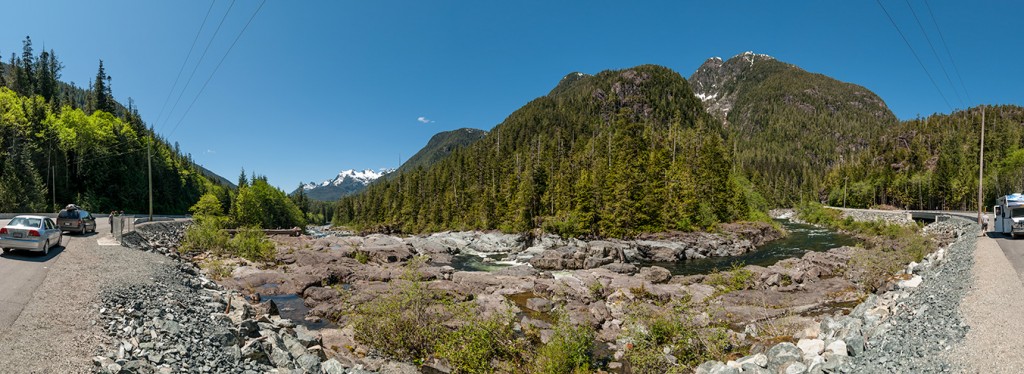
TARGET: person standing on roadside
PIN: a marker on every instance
(111, 220)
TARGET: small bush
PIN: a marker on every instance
(738, 278)
(362, 257)
(570, 349)
(473, 346)
(251, 244)
(217, 269)
(407, 322)
(655, 330)
(205, 234)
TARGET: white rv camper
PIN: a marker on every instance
(1009, 215)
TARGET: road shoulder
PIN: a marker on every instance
(992, 307)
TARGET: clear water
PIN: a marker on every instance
(801, 239)
(468, 262)
(292, 307)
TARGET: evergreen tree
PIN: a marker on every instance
(101, 97)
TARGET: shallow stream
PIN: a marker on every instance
(802, 238)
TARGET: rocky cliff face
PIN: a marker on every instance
(716, 82)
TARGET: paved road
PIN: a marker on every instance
(21, 273)
(1013, 249)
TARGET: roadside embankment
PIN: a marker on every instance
(911, 328)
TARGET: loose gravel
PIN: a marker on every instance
(57, 332)
(926, 322)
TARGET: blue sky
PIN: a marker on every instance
(314, 87)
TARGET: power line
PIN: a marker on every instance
(207, 49)
(935, 53)
(184, 63)
(218, 66)
(915, 54)
(946, 45)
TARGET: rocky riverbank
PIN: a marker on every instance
(908, 329)
(184, 322)
(591, 283)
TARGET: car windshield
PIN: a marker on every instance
(68, 214)
(22, 221)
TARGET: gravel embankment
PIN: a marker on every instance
(183, 322)
(926, 322)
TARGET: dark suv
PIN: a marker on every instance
(77, 220)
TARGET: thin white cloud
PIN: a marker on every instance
(210, 151)
(424, 120)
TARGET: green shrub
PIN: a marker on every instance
(655, 330)
(570, 349)
(217, 269)
(407, 322)
(251, 244)
(738, 278)
(362, 257)
(205, 234)
(474, 346)
(889, 248)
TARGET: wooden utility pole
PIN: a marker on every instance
(981, 162)
(149, 166)
(846, 183)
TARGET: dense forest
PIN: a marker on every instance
(932, 162)
(632, 151)
(789, 127)
(63, 144)
(616, 154)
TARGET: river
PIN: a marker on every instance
(802, 238)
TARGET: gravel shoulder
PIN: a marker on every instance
(992, 307)
(57, 332)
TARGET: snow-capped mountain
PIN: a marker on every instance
(347, 182)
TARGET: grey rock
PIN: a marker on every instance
(539, 304)
(782, 353)
(752, 368)
(854, 345)
(306, 337)
(709, 367)
(308, 363)
(332, 366)
(621, 268)
(655, 274)
(792, 367)
(759, 359)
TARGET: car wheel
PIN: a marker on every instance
(6, 250)
(46, 248)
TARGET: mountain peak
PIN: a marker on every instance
(568, 80)
(715, 81)
(347, 181)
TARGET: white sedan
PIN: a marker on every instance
(30, 233)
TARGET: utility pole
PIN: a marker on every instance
(981, 162)
(846, 182)
(149, 166)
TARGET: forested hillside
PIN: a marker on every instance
(789, 126)
(66, 145)
(932, 162)
(615, 154)
(440, 146)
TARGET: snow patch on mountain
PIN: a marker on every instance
(363, 177)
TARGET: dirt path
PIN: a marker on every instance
(993, 308)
